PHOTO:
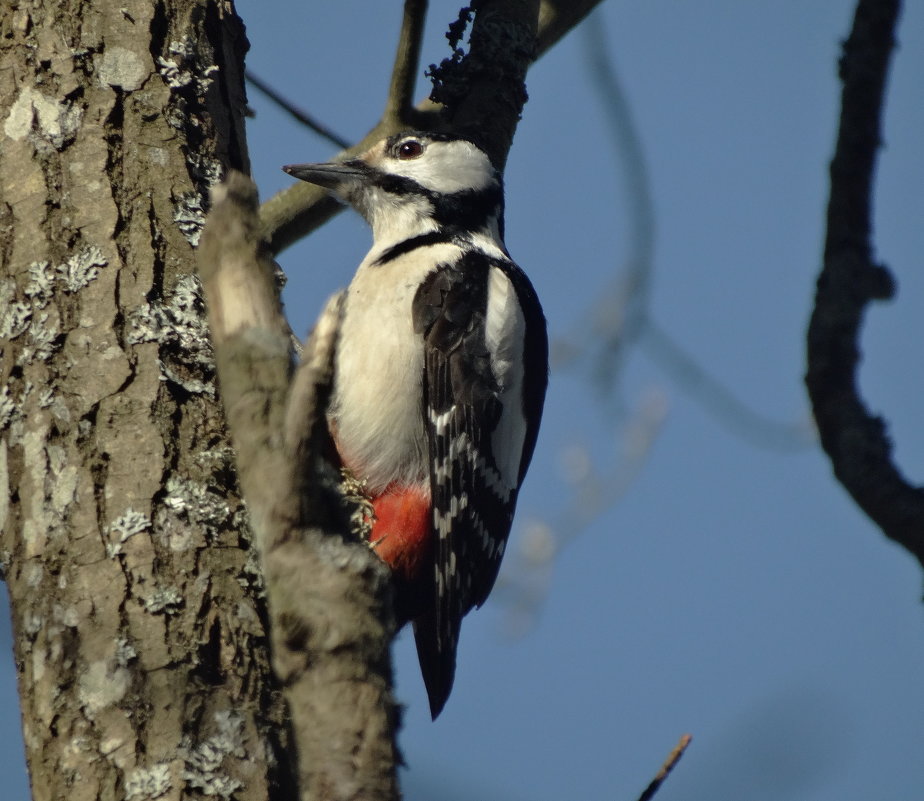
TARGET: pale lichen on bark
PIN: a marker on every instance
(139, 630)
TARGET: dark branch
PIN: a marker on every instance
(482, 92)
(301, 116)
(855, 440)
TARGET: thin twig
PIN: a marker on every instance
(856, 441)
(669, 764)
(620, 319)
(717, 398)
(619, 327)
(299, 114)
(407, 58)
(632, 320)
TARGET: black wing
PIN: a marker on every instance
(473, 500)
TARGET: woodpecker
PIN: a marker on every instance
(439, 378)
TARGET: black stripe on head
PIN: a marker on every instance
(396, 184)
(468, 210)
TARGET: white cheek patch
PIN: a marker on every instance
(393, 218)
(447, 167)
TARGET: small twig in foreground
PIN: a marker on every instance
(669, 764)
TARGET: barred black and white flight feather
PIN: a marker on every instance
(442, 364)
(484, 382)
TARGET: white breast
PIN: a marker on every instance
(377, 403)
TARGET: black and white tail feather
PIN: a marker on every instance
(457, 328)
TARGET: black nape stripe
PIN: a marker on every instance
(469, 209)
(421, 241)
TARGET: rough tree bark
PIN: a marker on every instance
(329, 596)
(140, 635)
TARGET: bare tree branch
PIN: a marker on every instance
(331, 634)
(619, 320)
(855, 440)
(403, 78)
(619, 316)
(299, 114)
(301, 208)
(407, 60)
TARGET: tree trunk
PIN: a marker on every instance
(140, 630)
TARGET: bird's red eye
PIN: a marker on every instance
(410, 149)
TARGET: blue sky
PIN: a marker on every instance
(732, 590)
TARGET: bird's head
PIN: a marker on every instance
(413, 183)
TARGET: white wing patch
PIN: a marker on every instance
(505, 328)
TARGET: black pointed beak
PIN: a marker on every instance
(339, 178)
